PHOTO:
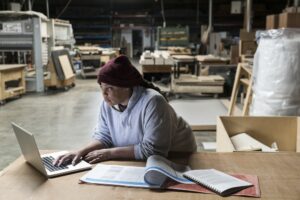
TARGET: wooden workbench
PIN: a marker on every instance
(181, 60)
(12, 81)
(204, 62)
(278, 174)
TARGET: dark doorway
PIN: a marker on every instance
(137, 43)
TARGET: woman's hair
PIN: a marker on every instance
(147, 84)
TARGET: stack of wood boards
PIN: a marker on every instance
(198, 84)
(157, 58)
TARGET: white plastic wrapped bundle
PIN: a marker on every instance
(276, 73)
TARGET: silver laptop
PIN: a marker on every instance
(43, 163)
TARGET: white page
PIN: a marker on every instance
(116, 175)
(158, 169)
(215, 179)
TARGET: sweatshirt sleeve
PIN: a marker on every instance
(159, 122)
(101, 132)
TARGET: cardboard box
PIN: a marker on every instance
(289, 20)
(247, 47)
(285, 131)
(272, 21)
(247, 36)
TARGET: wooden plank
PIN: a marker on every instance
(66, 66)
(200, 89)
(209, 59)
(243, 70)
(195, 81)
(11, 66)
(203, 127)
(234, 90)
(245, 81)
(156, 68)
(90, 57)
(185, 58)
(248, 98)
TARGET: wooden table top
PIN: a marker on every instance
(278, 173)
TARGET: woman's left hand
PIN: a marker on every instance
(98, 156)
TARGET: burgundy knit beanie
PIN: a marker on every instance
(119, 72)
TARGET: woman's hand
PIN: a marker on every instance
(72, 157)
(98, 156)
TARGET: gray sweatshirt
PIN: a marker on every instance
(149, 123)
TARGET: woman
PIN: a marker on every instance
(135, 120)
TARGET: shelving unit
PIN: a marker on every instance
(93, 30)
(172, 36)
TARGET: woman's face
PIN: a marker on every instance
(114, 95)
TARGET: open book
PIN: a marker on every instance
(217, 181)
(159, 173)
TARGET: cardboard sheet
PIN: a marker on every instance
(66, 66)
(199, 114)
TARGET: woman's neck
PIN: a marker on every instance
(126, 100)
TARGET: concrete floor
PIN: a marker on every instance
(60, 120)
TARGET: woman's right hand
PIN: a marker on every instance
(72, 157)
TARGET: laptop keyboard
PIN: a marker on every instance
(48, 164)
